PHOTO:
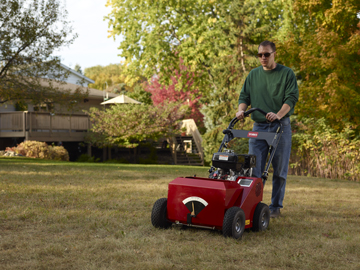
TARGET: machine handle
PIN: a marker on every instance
(253, 110)
(246, 114)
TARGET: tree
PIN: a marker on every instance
(126, 125)
(140, 94)
(106, 76)
(158, 36)
(30, 32)
(161, 94)
(78, 69)
(215, 40)
(323, 48)
(110, 78)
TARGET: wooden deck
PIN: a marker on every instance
(45, 127)
(187, 150)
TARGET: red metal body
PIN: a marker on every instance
(207, 200)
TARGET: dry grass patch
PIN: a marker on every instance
(65, 215)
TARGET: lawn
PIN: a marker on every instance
(62, 215)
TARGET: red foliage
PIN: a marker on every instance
(161, 93)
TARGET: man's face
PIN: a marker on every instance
(268, 63)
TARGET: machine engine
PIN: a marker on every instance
(229, 166)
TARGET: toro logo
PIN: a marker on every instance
(252, 134)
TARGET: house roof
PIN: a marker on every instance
(93, 93)
(77, 73)
(122, 99)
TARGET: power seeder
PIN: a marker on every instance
(229, 199)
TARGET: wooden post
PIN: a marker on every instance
(173, 150)
(104, 154)
(50, 125)
(30, 125)
(89, 149)
(24, 123)
(70, 125)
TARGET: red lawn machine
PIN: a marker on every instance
(230, 199)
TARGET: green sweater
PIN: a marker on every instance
(269, 90)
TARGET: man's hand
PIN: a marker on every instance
(241, 110)
(272, 117)
(240, 115)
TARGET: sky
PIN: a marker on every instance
(92, 47)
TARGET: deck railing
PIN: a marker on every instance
(44, 126)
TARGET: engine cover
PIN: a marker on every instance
(233, 161)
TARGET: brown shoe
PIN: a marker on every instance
(275, 213)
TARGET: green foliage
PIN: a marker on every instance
(323, 48)
(87, 158)
(138, 93)
(217, 41)
(152, 158)
(321, 151)
(21, 106)
(78, 69)
(111, 78)
(126, 125)
(105, 76)
(31, 31)
(201, 35)
(35, 149)
(214, 40)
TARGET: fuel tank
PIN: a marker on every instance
(204, 201)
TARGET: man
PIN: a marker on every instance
(273, 88)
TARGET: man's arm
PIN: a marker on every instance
(242, 108)
(280, 114)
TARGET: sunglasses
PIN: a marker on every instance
(260, 55)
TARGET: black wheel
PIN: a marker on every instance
(158, 214)
(261, 218)
(234, 222)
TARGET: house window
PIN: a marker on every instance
(44, 107)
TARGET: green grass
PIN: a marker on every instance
(62, 215)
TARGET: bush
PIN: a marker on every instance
(147, 161)
(320, 151)
(58, 153)
(35, 149)
(87, 158)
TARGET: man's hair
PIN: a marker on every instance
(268, 43)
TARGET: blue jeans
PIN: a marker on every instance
(280, 162)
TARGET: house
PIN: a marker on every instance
(40, 123)
(58, 125)
(76, 77)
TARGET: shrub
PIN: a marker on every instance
(87, 158)
(58, 153)
(35, 149)
(20, 149)
(320, 151)
(147, 161)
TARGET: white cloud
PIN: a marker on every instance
(92, 47)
